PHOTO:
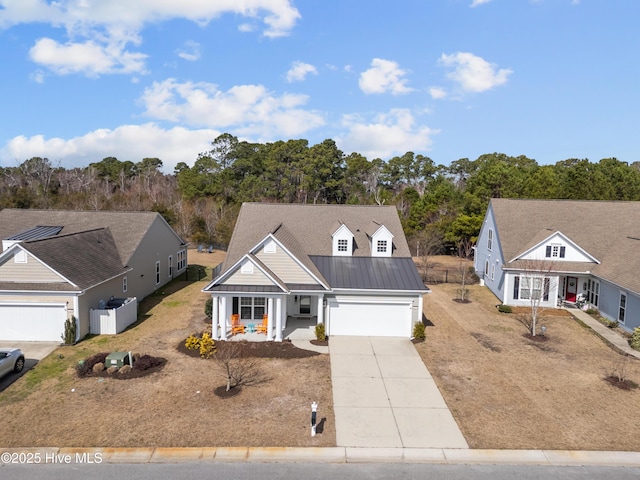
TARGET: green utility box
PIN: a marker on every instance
(117, 359)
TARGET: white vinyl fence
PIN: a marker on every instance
(113, 320)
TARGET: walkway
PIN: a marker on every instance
(384, 396)
(610, 336)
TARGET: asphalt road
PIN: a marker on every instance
(297, 471)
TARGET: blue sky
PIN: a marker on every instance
(550, 79)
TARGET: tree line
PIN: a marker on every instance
(441, 207)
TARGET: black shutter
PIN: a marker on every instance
(516, 288)
(548, 254)
(562, 250)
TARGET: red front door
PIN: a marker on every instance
(572, 289)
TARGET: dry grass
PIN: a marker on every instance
(508, 392)
(173, 407)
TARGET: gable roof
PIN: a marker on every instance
(127, 228)
(607, 230)
(306, 232)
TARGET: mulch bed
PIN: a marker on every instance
(223, 393)
(621, 384)
(246, 349)
(536, 338)
(133, 373)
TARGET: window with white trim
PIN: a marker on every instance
(124, 284)
(490, 239)
(555, 251)
(170, 266)
(593, 292)
(182, 260)
(622, 311)
(486, 268)
(531, 288)
(381, 246)
(157, 273)
(343, 245)
(252, 308)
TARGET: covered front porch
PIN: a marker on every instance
(262, 316)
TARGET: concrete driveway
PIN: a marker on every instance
(33, 353)
(384, 396)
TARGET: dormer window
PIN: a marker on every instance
(342, 242)
(381, 242)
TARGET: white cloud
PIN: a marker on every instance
(89, 58)
(437, 92)
(127, 142)
(299, 71)
(248, 108)
(104, 29)
(473, 73)
(475, 3)
(384, 76)
(190, 52)
(387, 135)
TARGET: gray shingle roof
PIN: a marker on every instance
(312, 227)
(305, 230)
(604, 229)
(85, 258)
(127, 228)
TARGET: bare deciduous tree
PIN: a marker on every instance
(237, 370)
(537, 282)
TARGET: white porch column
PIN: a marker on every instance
(215, 321)
(270, 318)
(320, 316)
(420, 307)
(278, 319)
(223, 317)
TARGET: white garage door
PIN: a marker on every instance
(379, 319)
(33, 323)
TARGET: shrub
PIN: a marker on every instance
(635, 339)
(208, 307)
(98, 367)
(69, 335)
(125, 369)
(504, 309)
(205, 344)
(321, 334)
(418, 331)
(145, 362)
(85, 367)
(112, 369)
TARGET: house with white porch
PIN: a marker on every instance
(346, 266)
(563, 252)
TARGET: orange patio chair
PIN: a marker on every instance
(262, 328)
(236, 326)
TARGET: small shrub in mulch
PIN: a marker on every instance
(246, 349)
(625, 384)
(459, 300)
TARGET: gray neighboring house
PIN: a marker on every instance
(588, 249)
(348, 267)
(58, 264)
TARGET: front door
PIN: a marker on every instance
(305, 305)
(572, 289)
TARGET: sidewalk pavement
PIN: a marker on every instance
(323, 455)
(613, 338)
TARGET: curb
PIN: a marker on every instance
(334, 455)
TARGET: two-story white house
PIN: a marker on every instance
(346, 266)
(563, 252)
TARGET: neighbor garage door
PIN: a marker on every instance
(376, 318)
(34, 323)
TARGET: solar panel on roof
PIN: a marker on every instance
(36, 233)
